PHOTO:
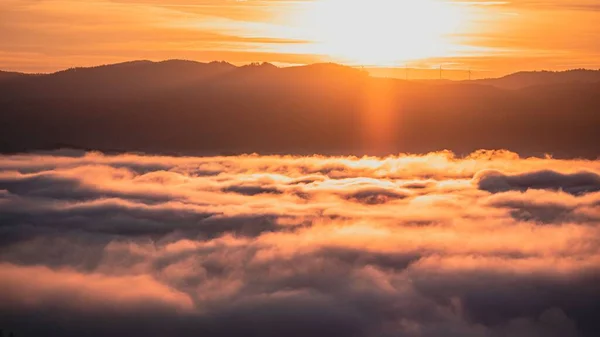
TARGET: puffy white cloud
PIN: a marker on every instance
(488, 245)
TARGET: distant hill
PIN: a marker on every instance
(534, 78)
(120, 79)
(7, 75)
(211, 108)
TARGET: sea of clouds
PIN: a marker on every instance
(433, 245)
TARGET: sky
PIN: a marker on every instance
(488, 37)
(488, 245)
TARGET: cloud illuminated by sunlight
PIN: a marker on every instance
(490, 245)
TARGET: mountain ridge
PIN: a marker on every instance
(208, 108)
(515, 80)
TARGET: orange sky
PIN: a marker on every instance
(490, 37)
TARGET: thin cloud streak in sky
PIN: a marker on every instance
(477, 34)
(488, 245)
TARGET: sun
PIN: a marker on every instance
(380, 32)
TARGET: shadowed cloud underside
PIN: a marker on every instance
(433, 245)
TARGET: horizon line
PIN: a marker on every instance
(283, 65)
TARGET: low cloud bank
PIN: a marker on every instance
(488, 245)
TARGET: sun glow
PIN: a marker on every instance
(381, 32)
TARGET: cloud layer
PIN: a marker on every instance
(488, 245)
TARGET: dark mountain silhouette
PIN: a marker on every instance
(119, 79)
(212, 108)
(8, 75)
(533, 78)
